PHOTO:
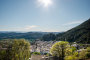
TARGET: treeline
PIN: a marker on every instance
(27, 35)
(80, 34)
(13, 35)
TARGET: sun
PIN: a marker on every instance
(46, 3)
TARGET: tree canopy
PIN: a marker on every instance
(36, 53)
(85, 53)
(21, 49)
(60, 49)
(18, 50)
(48, 37)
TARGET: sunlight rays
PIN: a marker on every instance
(46, 3)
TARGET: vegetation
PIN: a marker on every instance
(48, 37)
(4, 43)
(73, 49)
(18, 50)
(36, 53)
(73, 56)
(2, 55)
(80, 34)
(85, 53)
(63, 50)
(48, 54)
(13, 35)
(60, 49)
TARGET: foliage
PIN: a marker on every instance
(2, 55)
(88, 38)
(48, 37)
(60, 49)
(60, 34)
(72, 57)
(36, 53)
(5, 42)
(82, 54)
(48, 54)
(88, 52)
(85, 53)
(18, 50)
(73, 48)
(81, 44)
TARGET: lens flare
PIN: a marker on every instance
(45, 2)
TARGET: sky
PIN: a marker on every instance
(43, 15)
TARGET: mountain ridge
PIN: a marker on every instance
(78, 33)
(25, 35)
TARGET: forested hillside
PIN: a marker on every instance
(25, 35)
(80, 34)
(13, 35)
(48, 37)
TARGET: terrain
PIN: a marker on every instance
(24, 35)
(79, 34)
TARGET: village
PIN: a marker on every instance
(43, 47)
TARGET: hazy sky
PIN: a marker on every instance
(42, 15)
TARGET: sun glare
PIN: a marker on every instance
(45, 2)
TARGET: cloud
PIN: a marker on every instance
(30, 27)
(73, 23)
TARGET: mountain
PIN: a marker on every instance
(20, 34)
(14, 35)
(48, 37)
(80, 34)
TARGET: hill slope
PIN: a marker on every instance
(80, 34)
(25, 35)
(48, 37)
(13, 35)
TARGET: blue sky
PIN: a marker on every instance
(43, 15)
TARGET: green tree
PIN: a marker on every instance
(20, 49)
(73, 48)
(48, 54)
(73, 56)
(2, 55)
(88, 52)
(36, 53)
(61, 49)
(88, 38)
(48, 37)
(85, 53)
(82, 54)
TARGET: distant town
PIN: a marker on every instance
(42, 46)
